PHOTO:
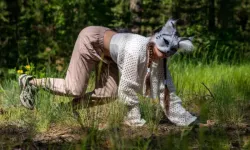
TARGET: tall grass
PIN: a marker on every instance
(217, 91)
(223, 89)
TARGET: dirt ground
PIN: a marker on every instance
(16, 137)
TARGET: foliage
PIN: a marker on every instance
(43, 32)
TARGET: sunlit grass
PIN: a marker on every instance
(214, 91)
(223, 89)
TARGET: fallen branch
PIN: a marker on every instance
(208, 90)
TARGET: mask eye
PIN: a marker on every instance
(166, 41)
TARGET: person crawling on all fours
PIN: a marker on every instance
(131, 64)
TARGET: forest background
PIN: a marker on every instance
(37, 38)
(43, 32)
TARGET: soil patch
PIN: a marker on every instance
(68, 137)
(57, 137)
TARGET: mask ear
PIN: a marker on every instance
(186, 45)
(170, 25)
(191, 38)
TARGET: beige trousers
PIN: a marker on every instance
(88, 55)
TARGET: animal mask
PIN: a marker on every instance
(168, 41)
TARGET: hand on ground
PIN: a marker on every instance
(209, 123)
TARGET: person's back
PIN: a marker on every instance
(123, 43)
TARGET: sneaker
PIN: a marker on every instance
(27, 96)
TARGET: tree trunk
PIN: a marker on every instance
(135, 8)
(226, 13)
(211, 15)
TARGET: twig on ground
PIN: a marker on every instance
(208, 90)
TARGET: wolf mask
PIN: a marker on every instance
(168, 41)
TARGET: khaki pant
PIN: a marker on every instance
(88, 54)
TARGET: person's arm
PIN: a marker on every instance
(131, 85)
(177, 114)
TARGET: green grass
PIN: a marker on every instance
(223, 99)
(225, 92)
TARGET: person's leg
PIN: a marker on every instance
(76, 80)
(107, 79)
(106, 86)
(107, 76)
(87, 53)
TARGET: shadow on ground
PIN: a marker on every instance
(123, 137)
